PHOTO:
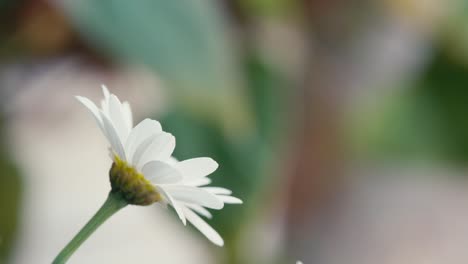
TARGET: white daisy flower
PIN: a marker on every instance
(144, 172)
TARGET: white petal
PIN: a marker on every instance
(127, 110)
(160, 148)
(200, 210)
(189, 194)
(218, 190)
(118, 119)
(197, 167)
(198, 182)
(140, 133)
(158, 172)
(203, 227)
(105, 107)
(173, 203)
(92, 108)
(106, 126)
(112, 136)
(156, 139)
(105, 101)
(229, 199)
(105, 91)
(172, 160)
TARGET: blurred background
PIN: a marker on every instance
(343, 125)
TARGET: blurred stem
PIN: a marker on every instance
(114, 203)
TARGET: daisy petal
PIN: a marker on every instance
(127, 111)
(197, 167)
(112, 136)
(173, 203)
(92, 108)
(218, 190)
(140, 133)
(161, 139)
(105, 101)
(171, 160)
(199, 210)
(198, 182)
(105, 91)
(158, 172)
(189, 194)
(118, 119)
(203, 227)
(229, 199)
(160, 148)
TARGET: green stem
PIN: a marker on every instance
(113, 204)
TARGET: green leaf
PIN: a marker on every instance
(186, 42)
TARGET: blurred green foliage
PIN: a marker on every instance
(268, 7)
(10, 199)
(186, 42)
(400, 125)
(424, 120)
(445, 85)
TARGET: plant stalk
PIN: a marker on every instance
(114, 203)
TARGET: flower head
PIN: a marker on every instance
(144, 172)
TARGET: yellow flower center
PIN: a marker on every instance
(133, 186)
